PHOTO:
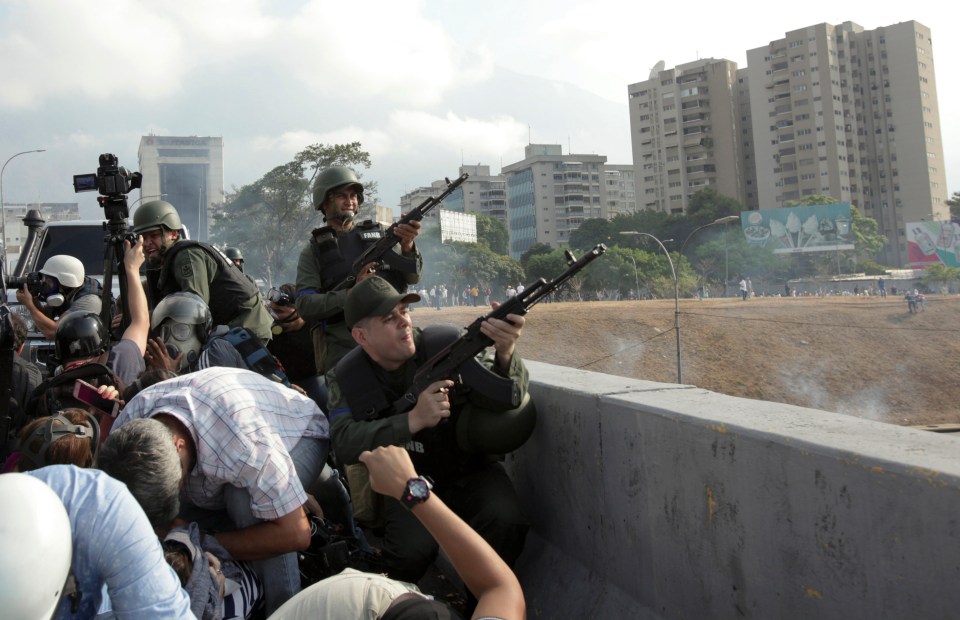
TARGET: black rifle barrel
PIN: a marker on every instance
(447, 363)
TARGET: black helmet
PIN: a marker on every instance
(80, 335)
(332, 178)
(233, 254)
(156, 214)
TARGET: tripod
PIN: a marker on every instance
(115, 233)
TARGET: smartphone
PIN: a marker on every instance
(86, 393)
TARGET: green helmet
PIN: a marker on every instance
(483, 431)
(233, 254)
(156, 214)
(332, 178)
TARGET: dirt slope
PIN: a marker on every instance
(862, 356)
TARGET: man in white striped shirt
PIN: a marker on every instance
(240, 449)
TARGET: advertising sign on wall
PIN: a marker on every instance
(808, 228)
(456, 226)
(929, 243)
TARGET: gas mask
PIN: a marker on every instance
(50, 292)
(181, 338)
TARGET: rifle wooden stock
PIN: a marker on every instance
(458, 361)
(378, 251)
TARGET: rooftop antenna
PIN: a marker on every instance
(529, 138)
(657, 68)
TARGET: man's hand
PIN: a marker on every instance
(390, 468)
(407, 233)
(133, 254)
(504, 335)
(158, 357)
(215, 571)
(433, 405)
(369, 270)
(24, 297)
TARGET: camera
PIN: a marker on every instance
(33, 281)
(110, 179)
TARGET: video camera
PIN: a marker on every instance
(33, 282)
(113, 182)
(109, 179)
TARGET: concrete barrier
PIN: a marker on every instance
(653, 500)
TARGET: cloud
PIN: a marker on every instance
(290, 143)
(486, 138)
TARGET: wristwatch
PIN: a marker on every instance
(416, 492)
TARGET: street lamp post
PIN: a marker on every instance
(636, 277)
(3, 210)
(676, 279)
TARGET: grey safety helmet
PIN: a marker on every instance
(184, 308)
(156, 214)
(233, 254)
(332, 178)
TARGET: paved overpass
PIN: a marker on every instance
(653, 500)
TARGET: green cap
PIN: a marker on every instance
(373, 297)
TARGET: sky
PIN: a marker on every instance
(424, 85)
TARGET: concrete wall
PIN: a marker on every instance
(654, 500)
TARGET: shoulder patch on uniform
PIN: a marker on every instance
(186, 270)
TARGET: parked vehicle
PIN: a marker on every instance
(83, 239)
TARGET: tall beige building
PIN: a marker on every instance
(620, 180)
(851, 114)
(684, 127)
(187, 172)
(482, 193)
(550, 194)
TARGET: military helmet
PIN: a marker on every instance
(483, 431)
(185, 308)
(80, 335)
(156, 214)
(68, 270)
(233, 254)
(332, 178)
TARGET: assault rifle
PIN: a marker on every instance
(379, 252)
(458, 361)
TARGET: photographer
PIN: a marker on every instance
(175, 264)
(64, 288)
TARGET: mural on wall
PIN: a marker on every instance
(929, 243)
(808, 228)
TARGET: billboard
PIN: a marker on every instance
(807, 228)
(456, 226)
(930, 243)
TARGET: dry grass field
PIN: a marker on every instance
(861, 356)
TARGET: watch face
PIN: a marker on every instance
(418, 489)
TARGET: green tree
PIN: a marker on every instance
(268, 219)
(492, 233)
(707, 205)
(954, 203)
(590, 233)
(940, 274)
(534, 250)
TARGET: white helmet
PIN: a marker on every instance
(35, 548)
(66, 269)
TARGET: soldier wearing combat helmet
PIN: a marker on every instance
(328, 257)
(177, 264)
